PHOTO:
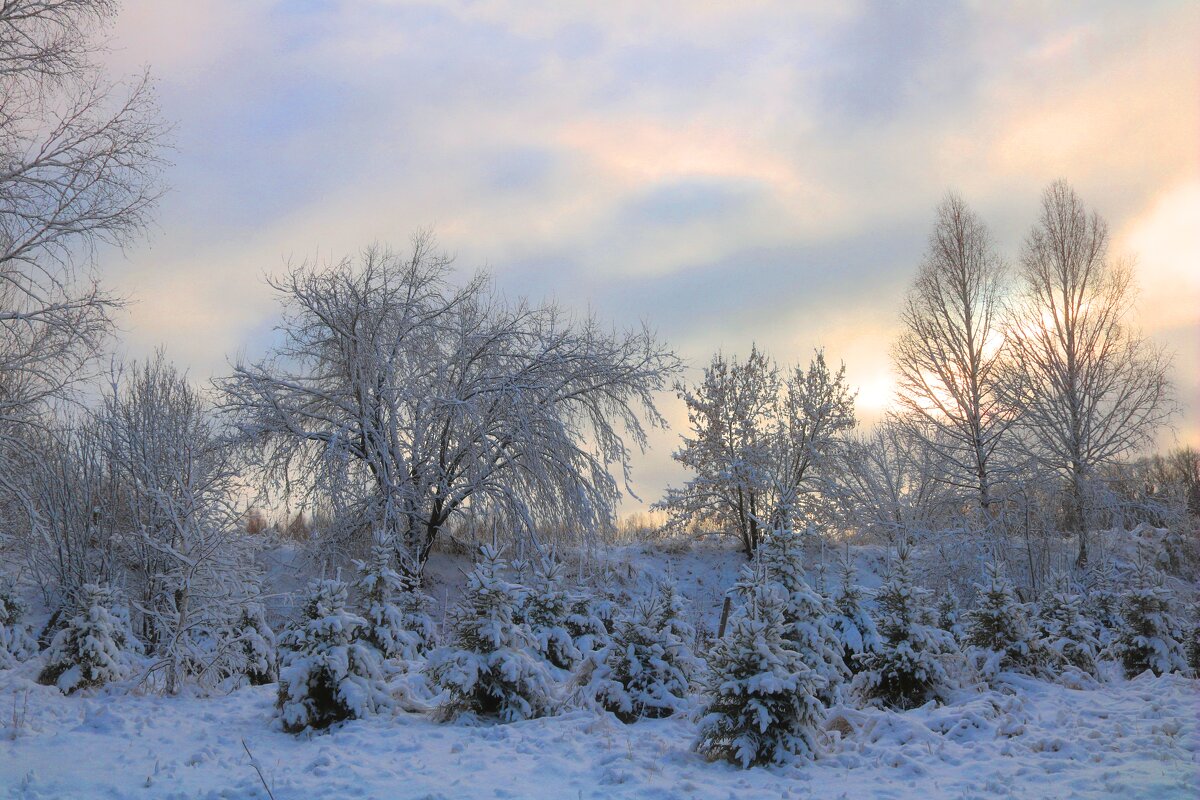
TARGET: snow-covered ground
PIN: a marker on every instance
(1127, 739)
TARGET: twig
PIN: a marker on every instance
(254, 764)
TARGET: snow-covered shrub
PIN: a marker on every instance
(381, 592)
(907, 670)
(585, 624)
(17, 642)
(760, 697)
(1102, 599)
(257, 645)
(489, 668)
(1149, 634)
(544, 611)
(327, 673)
(949, 618)
(1193, 645)
(1068, 636)
(851, 621)
(95, 646)
(999, 634)
(649, 668)
(806, 624)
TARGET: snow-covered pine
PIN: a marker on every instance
(544, 611)
(1149, 634)
(648, 669)
(999, 635)
(327, 673)
(1102, 600)
(488, 667)
(378, 587)
(95, 646)
(1068, 636)
(907, 670)
(17, 642)
(807, 629)
(851, 621)
(679, 635)
(257, 645)
(585, 623)
(760, 696)
(949, 617)
(1193, 643)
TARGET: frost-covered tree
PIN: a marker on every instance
(17, 642)
(907, 670)
(327, 673)
(1102, 599)
(489, 667)
(949, 616)
(379, 586)
(649, 668)
(1150, 635)
(585, 623)
(948, 358)
(758, 444)
(760, 697)
(544, 610)
(257, 646)
(806, 616)
(851, 620)
(999, 630)
(1088, 388)
(1068, 635)
(409, 400)
(94, 647)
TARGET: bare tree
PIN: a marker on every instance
(404, 400)
(949, 357)
(79, 166)
(1089, 389)
(758, 444)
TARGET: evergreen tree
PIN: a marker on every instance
(852, 621)
(17, 642)
(949, 616)
(258, 645)
(998, 629)
(327, 672)
(1149, 636)
(1102, 600)
(378, 587)
(545, 612)
(585, 624)
(95, 645)
(906, 671)
(806, 629)
(489, 667)
(1069, 636)
(649, 668)
(761, 705)
(1193, 645)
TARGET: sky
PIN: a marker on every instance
(730, 172)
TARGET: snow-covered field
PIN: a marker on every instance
(1127, 739)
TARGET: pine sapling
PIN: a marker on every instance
(851, 621)
(1150, 634)
(95, 646)
(998, 630)
(1069, 636)
(17, 642)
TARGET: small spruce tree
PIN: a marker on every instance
(95, 646)
(649, 668)
(1069, 636)
(1102, 600)
(327, 672)
(257, 644)
(1149, 634)
(545, 611)
(949, 617)
(806, 626)
(760, 697)
(999, 635)
(906, 670)
(17, 642)
(397, 624)
(851, 621)
(489, 668)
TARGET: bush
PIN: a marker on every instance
(94, 647)
(1149, 636)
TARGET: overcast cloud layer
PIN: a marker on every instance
(731, 172)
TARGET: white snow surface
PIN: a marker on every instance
(1030, 739)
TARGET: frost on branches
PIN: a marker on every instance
(761, 704)
(95, 646)
(17, 642)
(906, 671)
(327, 673)
(1068, 636)
(397, 625)
(488, 667)
(851, 622)
(804, 616)
(649, 667)
(1149, 634)
(998, 631)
